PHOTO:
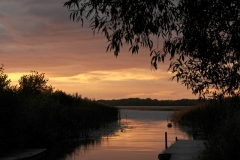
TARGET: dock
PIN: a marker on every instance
(26, 154)
(183, 150)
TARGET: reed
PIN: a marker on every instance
(225, 143)
(42, 119)
(220, 122)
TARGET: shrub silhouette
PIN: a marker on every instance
(34, 83)
(33, 115)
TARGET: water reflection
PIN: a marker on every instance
(140, 136)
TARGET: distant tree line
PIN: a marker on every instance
(33, 115)
(149, 102)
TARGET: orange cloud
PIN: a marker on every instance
(38, 35)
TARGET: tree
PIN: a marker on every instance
(34, 83)
(5, 83)
(130, 21)
(210, 37)
(202, 37)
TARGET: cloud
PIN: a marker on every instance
(114, 84)
(5, 35)
(38, 35)
(109, 76)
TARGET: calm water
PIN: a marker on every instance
(140, 137)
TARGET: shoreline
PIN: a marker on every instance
(153, 108)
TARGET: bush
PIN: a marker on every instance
(34, 83)
(220, 121)
(225, 143)
(34, 116)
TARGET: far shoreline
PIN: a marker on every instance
(153, 108)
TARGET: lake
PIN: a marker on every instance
(140, 136)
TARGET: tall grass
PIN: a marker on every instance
(42, 119)
(225, 144)
(220, 122)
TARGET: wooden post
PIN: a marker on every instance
(166, 140)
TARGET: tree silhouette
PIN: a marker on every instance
(34, 83)
(201, 37)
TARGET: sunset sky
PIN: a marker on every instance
(38, 35)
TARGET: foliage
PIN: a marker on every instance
(34, 83)
(219, 120)
(4, 82)
(123, 20)
(30, 118)
(201, 37)
(149, 102)
(204, 117)
(226, 142)
(209, 40)
(11, 116)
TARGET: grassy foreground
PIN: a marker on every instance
(32, 115)
(220, 122)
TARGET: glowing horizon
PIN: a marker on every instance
(39, 36)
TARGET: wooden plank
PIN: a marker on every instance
(185, 149)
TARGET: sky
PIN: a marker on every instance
(39, 36)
